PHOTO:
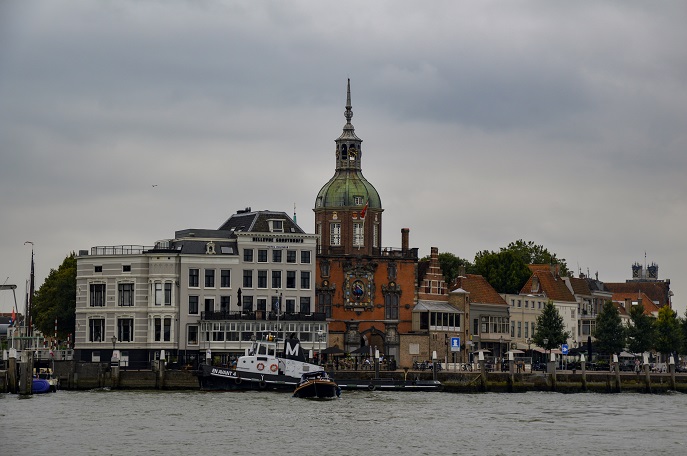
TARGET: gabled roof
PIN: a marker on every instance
(649, 307)
(550, 285)
(480, 290)
(580, 286)
(621, 310)
(658, 292)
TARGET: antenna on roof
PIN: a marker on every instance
(294, 214)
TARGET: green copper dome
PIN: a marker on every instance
(348, 187)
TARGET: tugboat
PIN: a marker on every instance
(317, 385)
(262, 368)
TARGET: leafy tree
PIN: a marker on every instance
(550, 326)
(530, 253)
(683, 325)
(609, 333)
(640, 334)
(56, 298)
(669, 338)
(505, 270)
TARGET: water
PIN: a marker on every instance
(198, 423)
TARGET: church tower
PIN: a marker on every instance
(348, 210)
(366, 291)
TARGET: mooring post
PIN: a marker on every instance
(551, 368)
(114, 369)
(671, 369)
(583, 365)
(616, 368)
(483, 370)
(511, 371)
(647, 375)
(12, 371)
(26, 372)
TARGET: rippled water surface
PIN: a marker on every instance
(197, 423)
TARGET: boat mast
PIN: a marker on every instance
(29, 299)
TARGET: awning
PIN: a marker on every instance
(435, 306)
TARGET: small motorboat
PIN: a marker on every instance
(317, 385)
(44, 381)
(40, 386)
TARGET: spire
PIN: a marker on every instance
(349, 108)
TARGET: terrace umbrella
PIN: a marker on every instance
(365, 349)
(335, 350)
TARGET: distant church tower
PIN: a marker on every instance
(348, 210)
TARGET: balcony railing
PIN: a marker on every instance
(394, 252)
(262, 315)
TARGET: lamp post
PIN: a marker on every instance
(529, 348)
(501, 352)
(319, 344)
(546, 351)
(114, 342)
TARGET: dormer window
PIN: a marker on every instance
(358, 200)
(276, 226)
(535, 284)
(210, 248)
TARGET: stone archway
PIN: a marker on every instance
(375, 338)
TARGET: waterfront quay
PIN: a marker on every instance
(86, 376)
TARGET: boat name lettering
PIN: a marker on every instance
(223, 372)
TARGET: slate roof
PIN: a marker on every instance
(481, 291)
(258, 222)
(550, 285)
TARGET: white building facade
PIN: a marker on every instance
(205, 292)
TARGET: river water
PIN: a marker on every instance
(104, 422)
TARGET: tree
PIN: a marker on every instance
(550, 326)
(56, 299)
(609, 333)
(536, 254)
(505, 270)
(683, 325)
(640, 334)
(669, 337)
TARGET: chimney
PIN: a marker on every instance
(405, 233)
(435, 253)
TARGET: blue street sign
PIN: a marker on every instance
(564, 349)
(455, 344)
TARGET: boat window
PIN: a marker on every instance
(262, 350)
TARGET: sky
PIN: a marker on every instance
(561, 123)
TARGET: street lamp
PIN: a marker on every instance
(114, 342)
(546, 348)
(319, 344)
(501, 352)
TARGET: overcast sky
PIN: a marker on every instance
(563, 123)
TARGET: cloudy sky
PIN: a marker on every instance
(563, 123)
